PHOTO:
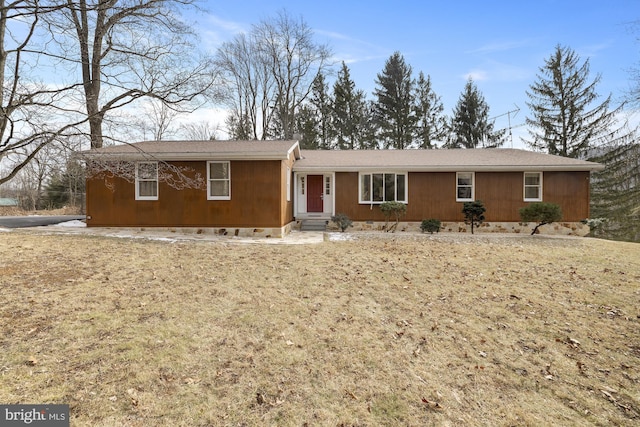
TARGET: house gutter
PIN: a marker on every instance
(453, 168)
(185, 156)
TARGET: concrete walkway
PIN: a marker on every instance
(177, 235)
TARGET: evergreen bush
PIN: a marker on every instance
(430, 225)
(395, 210)
(542, 213)
(342, 221)
(473, 213)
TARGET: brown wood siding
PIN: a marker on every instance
(502, 194)
(256, 200)
(570, 190)
(433, 195)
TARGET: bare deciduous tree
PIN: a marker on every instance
(199, 131)
(249, 87)
(32, 114)
(128, 50)
(268, 74)
(294, 60)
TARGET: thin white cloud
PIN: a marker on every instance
(343, 38)
(500, 46)
(352, 50)
(227, 26)
(594, 49)
(499, 71)
(476, 75)
(349, 58)
(216, 31)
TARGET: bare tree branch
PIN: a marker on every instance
(128, 50)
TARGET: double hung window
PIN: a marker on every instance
(147, 181)
(533, 186)
(465, 191)
(218, 181)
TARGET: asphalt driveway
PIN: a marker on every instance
(36, 220)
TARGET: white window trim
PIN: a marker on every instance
(138, 181)
(209, 196)
(379, 202)
(473, 187)
(524, 187)
(288, 183)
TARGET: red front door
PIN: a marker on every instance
(314, 193)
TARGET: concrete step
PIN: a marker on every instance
(313, 225)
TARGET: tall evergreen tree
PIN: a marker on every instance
(349, 110)
(633, 94)
(393, 106)
(239, 127)
(370, 140)
(615, 191)
(564, 119)
(431, 126)
(470, 126)
(306, 127)
(314, 121)
(321, 100)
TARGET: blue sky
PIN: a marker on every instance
(500, 44)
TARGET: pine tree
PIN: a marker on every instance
(314, 121)
(370, 140)
(431, 126)
(470, 127)
(615, 191)
(66, 187)
(239, 128)
(307, 127)
(393, 108)
(564, 121)
(349, 110)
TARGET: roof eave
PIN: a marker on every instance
(453, 168)
(186, 156)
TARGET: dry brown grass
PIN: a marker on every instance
(15, 211)
(387, 330)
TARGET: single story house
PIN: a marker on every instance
(269, 187)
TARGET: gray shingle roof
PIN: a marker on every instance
(499, 159)
(199, 150)
(459, 160)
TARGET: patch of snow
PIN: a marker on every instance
(336, 237)
(5, 229)
(74, 223)
(132, 236)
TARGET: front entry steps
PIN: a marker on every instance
(313, 225)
